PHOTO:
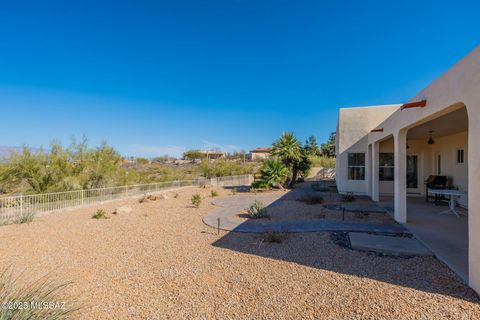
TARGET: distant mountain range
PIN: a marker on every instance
(6, 151)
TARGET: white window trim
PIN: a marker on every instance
(364, 166)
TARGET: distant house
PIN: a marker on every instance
(212, 155)
(260, 153)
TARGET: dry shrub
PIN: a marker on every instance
(274, 237)
(348, 197)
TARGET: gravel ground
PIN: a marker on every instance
(294, 205)
(160, 261)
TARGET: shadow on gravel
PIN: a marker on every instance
(317, 250)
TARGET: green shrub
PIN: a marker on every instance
(274, 173)
(25, 217)
(223, 167)
(257, 211)
(260, 184)
(100, 214)
(42, 293)
(196, 200)
(324, 162)
(214, 194)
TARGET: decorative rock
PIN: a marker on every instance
(122, 210)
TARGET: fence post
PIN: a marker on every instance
(21, 204)
(83, 196)
(126, 190)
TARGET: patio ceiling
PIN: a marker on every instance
(451, 123)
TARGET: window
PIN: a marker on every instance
(385, 166)
(356, 166)
(460, 156)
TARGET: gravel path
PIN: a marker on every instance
(161, 262)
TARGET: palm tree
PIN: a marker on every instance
(289, 150)
(274, 172)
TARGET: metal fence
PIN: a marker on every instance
(12, 207)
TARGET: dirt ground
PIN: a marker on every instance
(160, 261)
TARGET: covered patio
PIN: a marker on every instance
(444, 234)
(431, 149)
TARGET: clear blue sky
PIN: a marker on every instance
(155, 77)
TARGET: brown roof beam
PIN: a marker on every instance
(417, 104)
(377, 130)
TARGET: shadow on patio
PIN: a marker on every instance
(317, 250)
(444, 234)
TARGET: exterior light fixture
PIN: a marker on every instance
(430, 139)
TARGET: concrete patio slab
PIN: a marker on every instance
(387, 244)
(445, 235)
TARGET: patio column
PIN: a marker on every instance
(375, 179)
(473, 196)
(400, 176)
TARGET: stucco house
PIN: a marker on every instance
(260, 154)
(392, 153)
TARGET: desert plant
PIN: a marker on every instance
(274, 172)
(25, 217)
(257, 210)
(289, 150)
(214, 194)
(260, 184)
(40, 299)
(196, 200)
(348, 197)
(274, 237)
(100, 214)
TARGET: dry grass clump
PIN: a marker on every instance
(41, 299)
(100, 214)
(25, 217)
(214, 194)
(274, 237)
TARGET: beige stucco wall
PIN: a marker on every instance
(457, 88)
(257, 156)
(353, 127)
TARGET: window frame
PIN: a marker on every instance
(349, 166)
(383, 166)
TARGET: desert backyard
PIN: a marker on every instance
(160, 261)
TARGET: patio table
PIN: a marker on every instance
(451, 202)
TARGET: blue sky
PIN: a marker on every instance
(156, 77)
